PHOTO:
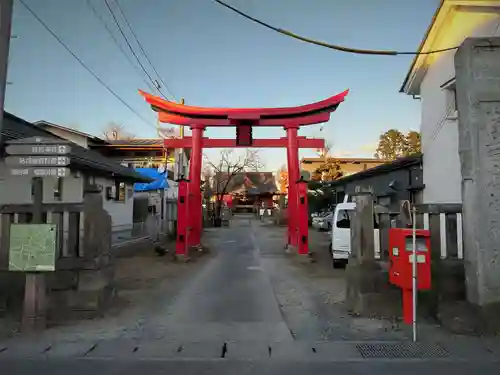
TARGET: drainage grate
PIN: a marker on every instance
(401, 350)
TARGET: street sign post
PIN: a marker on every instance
(40, 172)
(32, 247)
(36, 161)
(38, 149)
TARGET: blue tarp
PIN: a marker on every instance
(159, 183)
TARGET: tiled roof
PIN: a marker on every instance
(344, 160)
(80, 157)
(400, 163)
(45, 124)
(137, 142)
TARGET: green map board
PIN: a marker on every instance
(32, 247)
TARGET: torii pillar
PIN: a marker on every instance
(244, 119)
(293, 175)
(194, 188)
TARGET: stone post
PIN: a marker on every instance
(477, 66)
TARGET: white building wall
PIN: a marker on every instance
(75, 138)
(442, 175)
(121, 212)
(17, 190)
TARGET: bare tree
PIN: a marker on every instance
(228, 166)
(325, 151)
(114, 131)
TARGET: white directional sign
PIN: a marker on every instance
(37, 161)
(37, 149)
(38, 157)
(40, 172)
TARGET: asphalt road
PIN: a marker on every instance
(221, 367)
(231, 299)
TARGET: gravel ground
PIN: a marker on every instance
(146, 284)
(311, 295)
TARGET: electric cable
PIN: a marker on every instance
(328, 45)
(61, 42)
(142, 49)
(115, 40)
(131, 49)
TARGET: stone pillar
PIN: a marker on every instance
(477, 66)
(367, 288)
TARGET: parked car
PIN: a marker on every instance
(340, 245)
(323, 222)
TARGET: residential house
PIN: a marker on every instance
(148, 153)
(390, 183)
(431, 79)
(87, 168)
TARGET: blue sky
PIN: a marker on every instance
(213, 57)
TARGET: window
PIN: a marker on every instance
(344, 220)
(120, 192)
(58, 188)
(450, 91)
(384, 201)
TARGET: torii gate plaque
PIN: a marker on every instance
(189, 224)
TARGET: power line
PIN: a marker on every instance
(131, 49)
(328, 45)
(82, 63)
(115, 40)
(142, 49)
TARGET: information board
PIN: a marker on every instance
(32, 247)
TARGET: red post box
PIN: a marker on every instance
(401, 266)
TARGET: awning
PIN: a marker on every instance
(159, 183)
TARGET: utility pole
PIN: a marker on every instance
(180, 163)
(5, 31)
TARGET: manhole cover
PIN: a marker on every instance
(401, 350)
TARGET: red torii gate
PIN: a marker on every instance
(189, 226)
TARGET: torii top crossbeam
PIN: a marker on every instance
(180, 114)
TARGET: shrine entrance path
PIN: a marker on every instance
(247, 299)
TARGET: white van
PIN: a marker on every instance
(340, 246)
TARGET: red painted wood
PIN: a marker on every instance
(302, 218)
(187, 142)
(181, 248)
(192, 111)
(195, 210)
(293, 175)
(316, 118)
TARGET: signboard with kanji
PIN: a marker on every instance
(37, 149)
(38, 157)
(32, 247)
(37, 161)
(40, 172)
